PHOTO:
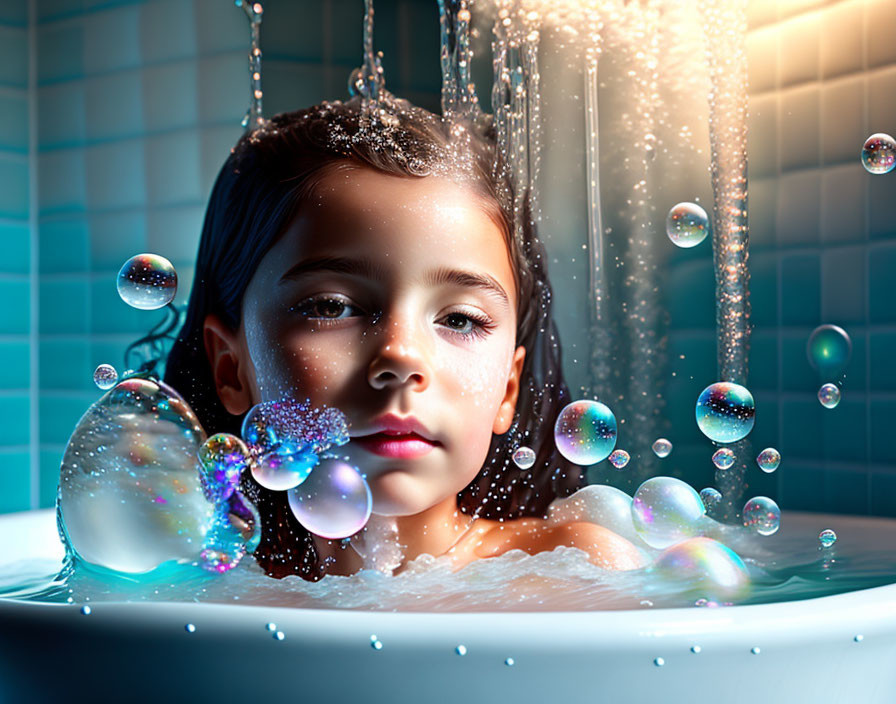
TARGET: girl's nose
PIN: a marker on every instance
(399, 359)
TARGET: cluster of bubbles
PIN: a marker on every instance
(687, 225)
(725, 412)
(762, 515)
(282, 446)
(147, 282)
(524, 457)
(105, 376)
(723, 458)
(827, 538)
(585, 432)
(879, 153)
(829, 395)
(768, 460)
(619, 459)
(662, 447)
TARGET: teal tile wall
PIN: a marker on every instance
(137, 104)
(822, 250)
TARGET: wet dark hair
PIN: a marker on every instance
(263, 184)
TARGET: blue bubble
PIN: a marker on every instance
(585, 432)
(725, 412)
(829, 349)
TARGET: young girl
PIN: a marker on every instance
(365, 261)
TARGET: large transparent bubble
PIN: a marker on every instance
(829, 349)
(604, 505)
(333, 502)
(130, 495)
(147, 282)
(706, 568)
(687, 225)
(725, 412)
(666, 511)
(585, 432)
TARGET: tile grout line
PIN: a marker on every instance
(34, 290)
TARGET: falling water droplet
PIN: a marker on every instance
(147, 282)
(827, 538)
(524, 457)
(105, 376)
(662, 447)
(829, 395)
(879, 153)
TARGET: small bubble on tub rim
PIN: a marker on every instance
(461, 650)
(509, 662)
(696, 649)
(85, 610)
(659, 662)
(190, 628)
(859, 638)
(755, 650)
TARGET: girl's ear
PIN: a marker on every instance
(508, 405)
(229, 363)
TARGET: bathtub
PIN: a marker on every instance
(831, 649)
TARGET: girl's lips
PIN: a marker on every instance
(396, 446)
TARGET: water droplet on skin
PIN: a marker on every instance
(827, 538)
(768, 460)
(105, 376)
(762, 515)
(524, 457)
(687, 225)
(662, 447)
(879, 153)
(829, 395)
(147, 282)
(723, 458)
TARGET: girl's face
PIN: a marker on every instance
(387, 296)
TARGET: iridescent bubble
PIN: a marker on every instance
(879, 153)
(723, 458)
(619, 458)
(762, 515)
(600, 504)
(665, 511)
(829, 349)
(585, 432)
(710, 497)
(524, 457)
(687, 225)
(222, 459)
(768, 460)
(289, 426)
(281, 472)
(105, 376)
(234, 530)
(705, 567)
(829, 395)
(147, 282)
(130, 496)
(725, 412)
(333, 502)
(827, 538)
(662, 447)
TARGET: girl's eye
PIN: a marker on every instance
(468, 325)
(323, 308)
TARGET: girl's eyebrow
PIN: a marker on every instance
(366, 269)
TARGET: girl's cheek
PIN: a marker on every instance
(477, 376)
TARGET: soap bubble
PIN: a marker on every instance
(768, 460)
(147, 282)
(725, 412)
(333, 502)
(710, 496)
(105, 376)
(222, 459)
(600, 504)
(829, 349)
(687, 225)
(665, 511)
(879, 153)
(827, 538)
(289, 426)
(524, 457)
(619, 458)
(829, 395)
(723, 458)
(662, 447)
(283, 471)
(130, 495)
(762, 515)
(585, 432)
(705, 567)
